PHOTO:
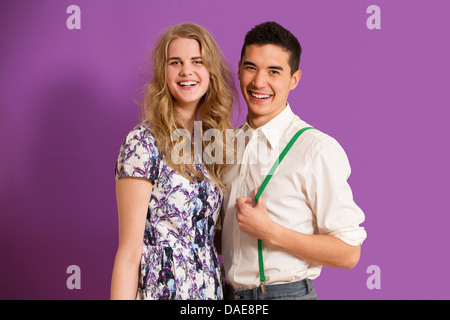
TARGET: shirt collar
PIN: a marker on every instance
(274, 129)
(242, 129)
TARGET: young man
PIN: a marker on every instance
(306, 216)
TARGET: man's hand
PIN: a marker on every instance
(253, 220)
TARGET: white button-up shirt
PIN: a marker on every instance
(308, 193)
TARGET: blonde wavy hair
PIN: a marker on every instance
(215, 109)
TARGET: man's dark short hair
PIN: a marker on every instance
(272, 33)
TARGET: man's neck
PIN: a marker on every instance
(255, 121)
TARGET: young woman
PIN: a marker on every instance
(168, 208)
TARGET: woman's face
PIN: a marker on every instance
(187, 77)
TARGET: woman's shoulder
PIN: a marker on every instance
(141, 134)
(139, 155)
(141, 131)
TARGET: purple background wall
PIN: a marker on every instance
(66, 105)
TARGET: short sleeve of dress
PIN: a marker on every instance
(138, 155)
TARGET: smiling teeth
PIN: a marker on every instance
(188, 83)
(260, 96)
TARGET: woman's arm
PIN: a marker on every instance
(133, 196)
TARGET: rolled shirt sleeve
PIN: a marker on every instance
(330, 195)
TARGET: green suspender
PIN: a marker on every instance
(262, 277)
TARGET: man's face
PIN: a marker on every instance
(265, 79)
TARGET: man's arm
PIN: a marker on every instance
(326, 250)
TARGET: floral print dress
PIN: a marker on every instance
(179, 260)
